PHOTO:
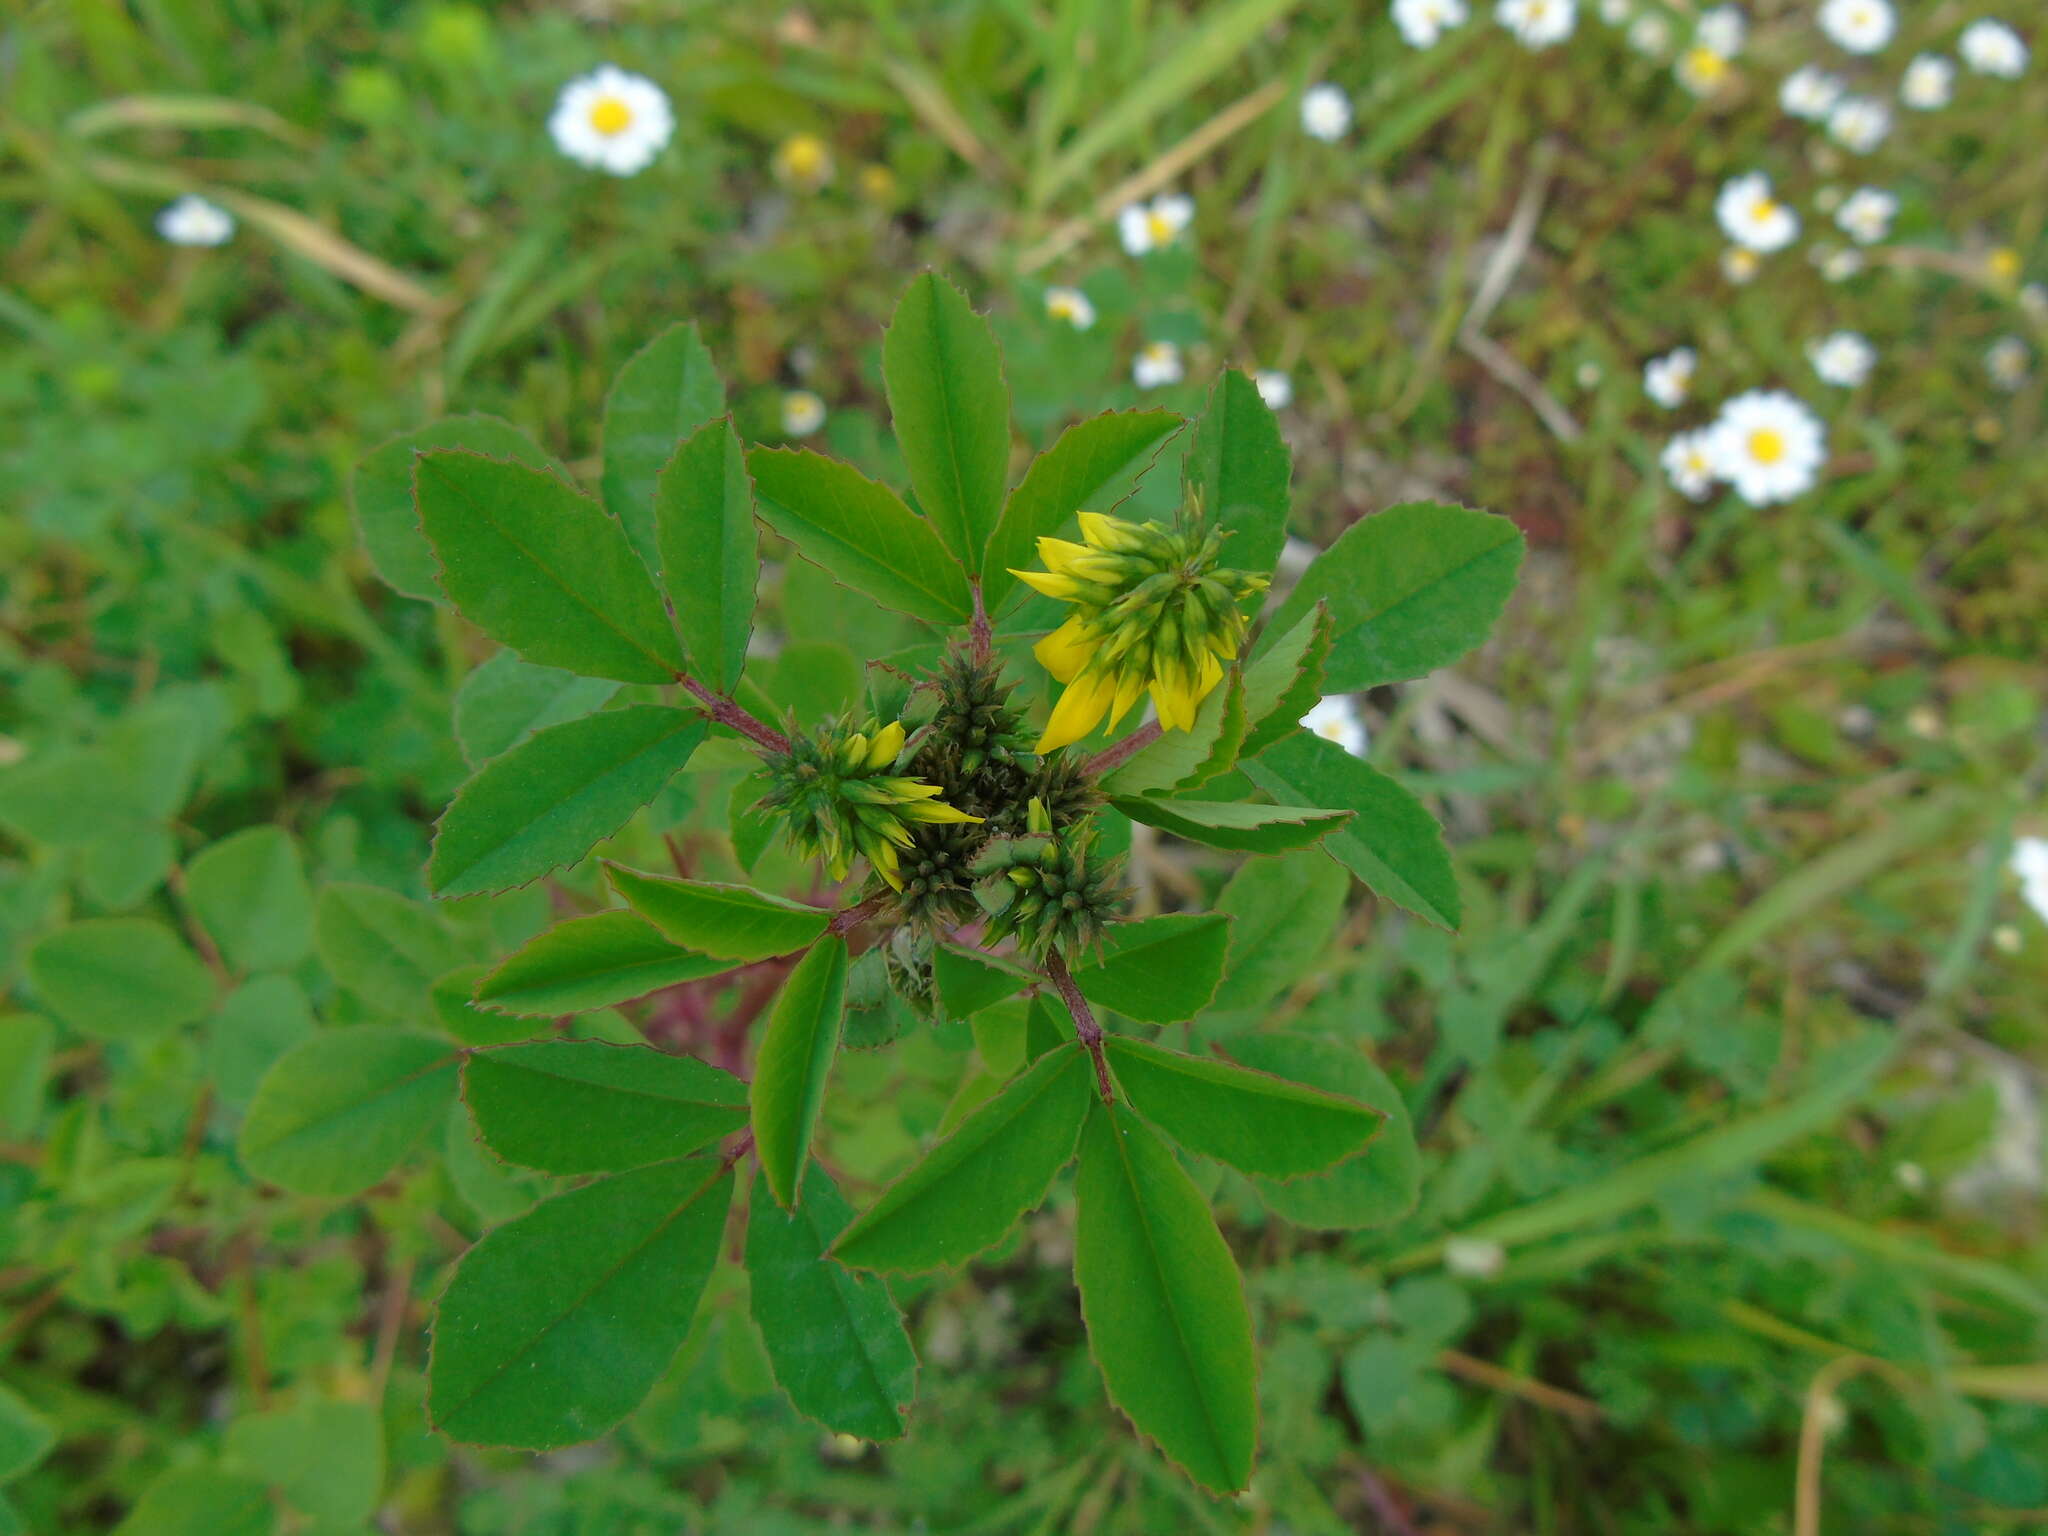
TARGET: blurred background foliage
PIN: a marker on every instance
(1729, 1093)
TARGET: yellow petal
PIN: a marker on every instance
(1060, 554)
(1129, 686)
(1065, 588)
(884, 860)
(1084, 703)
(887, 743)
(1104, 532)
(936, 811)
(1212, 674)
(1174, 700)
(1066, 650)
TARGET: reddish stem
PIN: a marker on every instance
(1111, 758)
(1085, 1027)
(846, 919)
(725, 712)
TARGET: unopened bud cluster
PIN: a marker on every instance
(841, 796)
(1155, 612)
(1046, 889)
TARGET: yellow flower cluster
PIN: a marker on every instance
(1154, 613)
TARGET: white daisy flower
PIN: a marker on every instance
(1474, 1258)
(2030, 863)
(1070, 305)
(1614, 12)
(803, 163)
(1422, 22)
(612, 121)
(1838, 265)
(1723, 29)
(1992, 48)
(1688, 466)
(1752, 217)
(1701, 70)
(1843, 359)
(1149, 227)
(1275, 388)
(192, 220)
(1859, 123)
(1337, 719)
(1767, 445)
(1325, 113)
(1668, 379)
(1861, 26)
(1157, 363)
(1538, 23)
(802, 413)
(1928, 83)
(1866, 215)
(1650, 35)
(2006, 361)
(1809, 92)
(1739, 264)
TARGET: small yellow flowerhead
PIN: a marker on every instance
(840, 797)
(803, 162)
(1153, 613)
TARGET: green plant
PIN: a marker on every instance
(985, 879)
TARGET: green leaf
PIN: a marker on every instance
(860, 533)
(555, 796)
(834, 1337)
(731, 921)
(1060, 481)
(793, 1063)
(951, 411)
(386, 949)
(457, 1011)
(1254, 1122)
(1394, 845)
(25, 1436)
(340, 1111)
(123, 978)
(1285, 682)
(1159, 969)
(250, 894)
(261, 1020)
(971, 1188)
(26, 1041)
(591, 962)
(581, 1106)
(1188, 759)
(198, 1501)
(385, 514)
(1227, 824)
(709, 550)
(1283, 913)
(324, 1456)
(506, 700)
(1163, 1303)
(969, 980)
(1377, 1186)
(1237, 464)
(557, 1323)
(666, 391)
(1410, 589)
(539, 566)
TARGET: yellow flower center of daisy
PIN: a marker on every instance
(1060, 306)
(1765, 207)
(2004, 262)
(1766, 446)
(1159, 227)
(1331, 730)
(1706, 65)
(610, 116)
(803, 157)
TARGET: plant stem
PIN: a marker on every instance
(1085, 1027)
(846, 919)
(1113, 757)
(725, 712)
(983, 635)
